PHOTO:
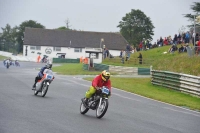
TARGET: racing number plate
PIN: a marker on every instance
(105, 90)
(49, 77)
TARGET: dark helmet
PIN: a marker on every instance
(48, 66)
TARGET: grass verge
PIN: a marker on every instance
(2, 57)
(143, 87)
(73, 69)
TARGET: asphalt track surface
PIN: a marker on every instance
(58, 112)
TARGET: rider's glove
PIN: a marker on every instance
(97, 88)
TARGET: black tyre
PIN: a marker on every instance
(35, 92)
(83, 109)
(44, 89)
(101, 109)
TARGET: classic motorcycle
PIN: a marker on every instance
(7, 64)
(43, 84)
(98, 102)
(17, 64)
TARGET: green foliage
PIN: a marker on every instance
(11, 39)
(63, 28)
(195, 8)
(135, 26)
(7, 39)
(21, 29)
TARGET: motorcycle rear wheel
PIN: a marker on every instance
(83, 109)
(35, 92)
(101, 109)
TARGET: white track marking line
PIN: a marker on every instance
(139, 96)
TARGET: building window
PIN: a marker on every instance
(38, 47)
(56, 48)
(32, 47)
(78, 50)
(35, 47)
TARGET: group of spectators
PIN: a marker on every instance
(183, 39)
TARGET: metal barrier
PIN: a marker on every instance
(195, 50)
(63, 60)
(177, 81)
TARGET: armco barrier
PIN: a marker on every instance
(143, 71)
(97, 67)
(181, 82)
(120, 69)
(85, 66)
(100, 67)
(61, 60)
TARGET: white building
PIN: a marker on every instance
(70, 44)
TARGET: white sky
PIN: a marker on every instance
(96, 15)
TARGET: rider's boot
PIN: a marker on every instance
(34, 86)
(85, 101)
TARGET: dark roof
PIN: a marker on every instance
(78, 39)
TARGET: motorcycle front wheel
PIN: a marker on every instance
(35, 92)
(102, 108)
(44, 89)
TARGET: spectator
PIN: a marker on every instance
(180, 50)
(107, 53)
(140, 46)
(123, 56)
(120, 55)
(165, 41)
(179, 38)
(198, 48)
(187, 38)
(161, 41)
(175, 39)
(140, 58)
(173, 48)
(128, 51)
(158, 42)
(183, 37)
(104, 53)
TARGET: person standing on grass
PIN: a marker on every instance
(140, 58)
(123, 56)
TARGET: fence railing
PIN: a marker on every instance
(132, 61)
(63, 60)
(192, 51)
(177, 81)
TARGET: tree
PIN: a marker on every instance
(63, 28)
(7, 39)
(196, 9)
(135, 26)
(21, 29)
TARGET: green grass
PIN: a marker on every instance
(143, 87)
(73, 69)
(177, 62)
(2, 57)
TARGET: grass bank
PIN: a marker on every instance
(143, 87)
(176, 62)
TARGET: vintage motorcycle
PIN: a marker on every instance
(17, 64)
(43, 84)
(98, 102)
(7, 64)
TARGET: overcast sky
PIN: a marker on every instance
(96, 15)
